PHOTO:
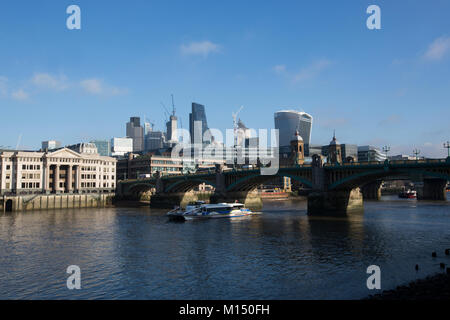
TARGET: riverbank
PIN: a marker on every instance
(54, 201)
(436, 287)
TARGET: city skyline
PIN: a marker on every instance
(373, 87)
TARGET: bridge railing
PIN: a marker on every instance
(365, 163)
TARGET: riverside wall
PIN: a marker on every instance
(54, 201)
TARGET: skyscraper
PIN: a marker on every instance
(171, 133)
(198, 114)
(290, 121)
(154, 140)
(136, 132)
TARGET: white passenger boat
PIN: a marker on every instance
(200, 210)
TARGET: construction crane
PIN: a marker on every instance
(235, 123)
(167, 111)
(18, 142)
(173, 107)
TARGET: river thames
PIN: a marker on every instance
(136, 253)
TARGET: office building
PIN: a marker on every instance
(121, 146)
(290, 121)
(103, 147)
(154, 140)
(136, 132)
(403, 157)
(370, 153)
(198, 124)
(51, 145)
(136, 166)
(61, 171)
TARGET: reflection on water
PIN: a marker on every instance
(279, 254)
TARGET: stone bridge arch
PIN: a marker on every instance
(251, 182)
(140, 190)
(434, 181)
(187, 185)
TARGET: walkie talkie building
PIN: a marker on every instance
(289, 121)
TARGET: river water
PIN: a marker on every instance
(136, 253)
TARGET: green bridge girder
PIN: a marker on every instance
(337, 177)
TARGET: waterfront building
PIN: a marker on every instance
(147, 165)
(370, 153)
(121, 146)
(74, 169)
(136, 166)
(136, 132)
(198, 129)
(403, 157)
(103, 147)
(290, 121)
(50, 145)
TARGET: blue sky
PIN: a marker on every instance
(388, 86)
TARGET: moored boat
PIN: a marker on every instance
(408, 194)
(200, 210)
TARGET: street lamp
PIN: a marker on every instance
(416, 153)
(447, 146)
(386, 149)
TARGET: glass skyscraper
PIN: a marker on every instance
(289, 121)
(198, 114)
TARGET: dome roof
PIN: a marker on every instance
(296, 137)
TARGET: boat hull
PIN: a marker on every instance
(180, 216)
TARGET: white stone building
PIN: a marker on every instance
(59, 171)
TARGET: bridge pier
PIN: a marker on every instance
(433, 189)
(170, 200)
(251, 199)
(372, 191)
(335, 202)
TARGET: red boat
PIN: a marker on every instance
(408, 194)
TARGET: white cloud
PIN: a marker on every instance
(438, 49)
(97, 87)
(312, 70)
(46, 80)
(93, 86)
(203, 48)
(20, 95)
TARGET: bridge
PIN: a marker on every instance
(334, 188)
